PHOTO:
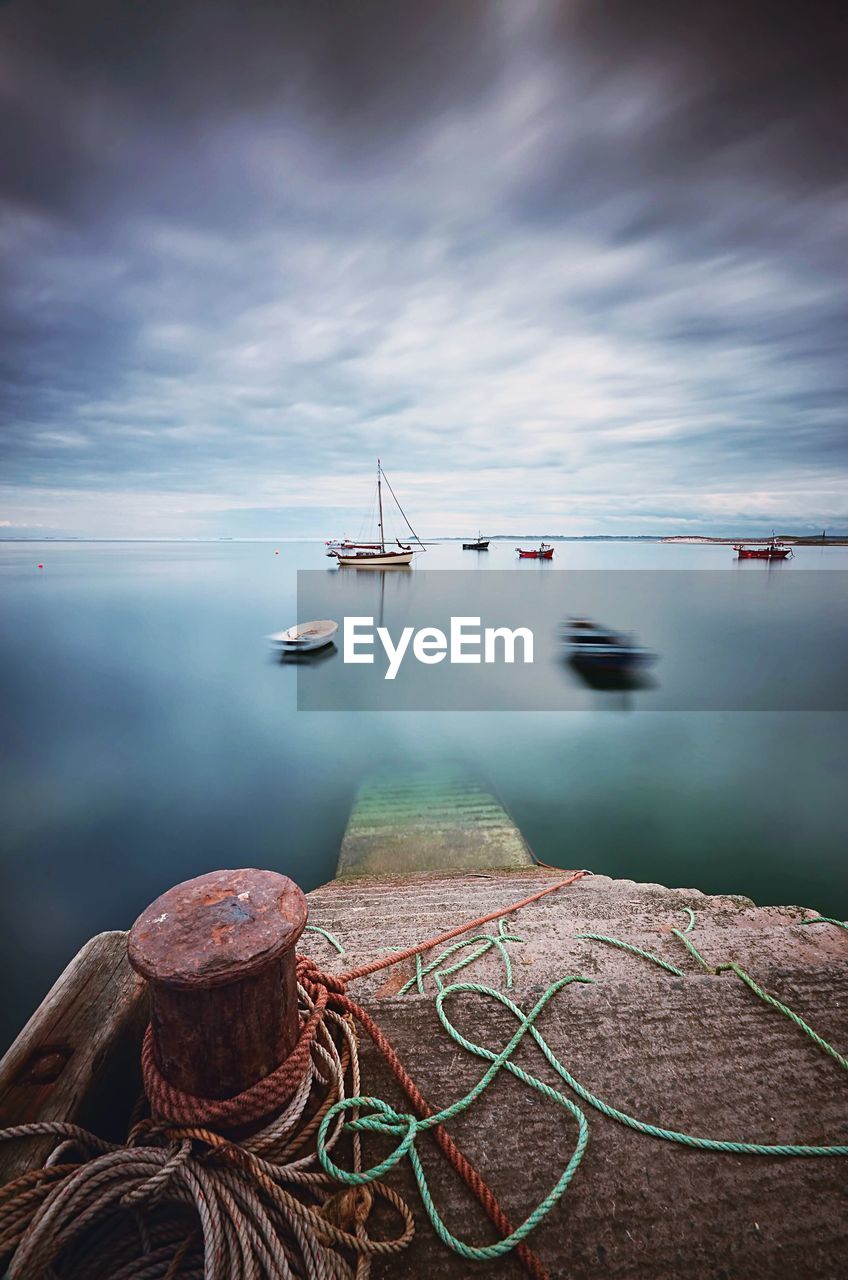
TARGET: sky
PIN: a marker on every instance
(570, 267)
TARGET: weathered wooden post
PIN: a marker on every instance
(218, 953)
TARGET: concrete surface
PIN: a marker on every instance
(701, 1054)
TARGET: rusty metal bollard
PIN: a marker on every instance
(218, 953)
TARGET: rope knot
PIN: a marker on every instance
(383, 1119)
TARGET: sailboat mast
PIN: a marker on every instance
(380, 505)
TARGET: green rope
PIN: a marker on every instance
(487, 941)
(636, 951)
(840, 924)
(325, 933)
(405, 1128)
(728, 967)
(732, 967)
(671, 1135)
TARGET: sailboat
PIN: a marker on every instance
(377, 555)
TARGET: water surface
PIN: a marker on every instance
(149, 736)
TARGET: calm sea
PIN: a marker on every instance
(149, 736)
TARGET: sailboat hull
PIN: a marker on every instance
(374, 559)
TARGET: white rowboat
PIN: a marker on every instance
(304, 636)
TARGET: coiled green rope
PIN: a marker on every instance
(386, 1120)
(405, 1128)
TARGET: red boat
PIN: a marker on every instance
(772, 550)
(545, 552)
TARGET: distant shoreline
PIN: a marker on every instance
(796, 540)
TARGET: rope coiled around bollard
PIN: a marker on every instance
(181, 1200)
(261, 1099)
(185, 1201)
(250, 1225)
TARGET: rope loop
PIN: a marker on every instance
(384, 1120)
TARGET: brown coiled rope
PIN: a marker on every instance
(181, 1200)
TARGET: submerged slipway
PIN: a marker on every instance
(692, 1051)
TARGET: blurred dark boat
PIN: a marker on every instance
(480, 544)
(593, 648)
(545, 552)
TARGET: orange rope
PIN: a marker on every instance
(475, 1183)
(384, 962)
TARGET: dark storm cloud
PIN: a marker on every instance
(774, 73)
(579, 259)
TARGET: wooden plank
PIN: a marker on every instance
(77, 1058)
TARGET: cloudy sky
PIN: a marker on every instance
(572, 267)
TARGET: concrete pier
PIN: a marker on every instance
(693, 1051)
(699, 1053)
(426, 820)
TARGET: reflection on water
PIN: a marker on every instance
(148, 736)
(375, 572)
(311, 658)
(610, 680)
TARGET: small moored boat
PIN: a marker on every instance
(377, 559)
(596, 648)
(771, 550)
(479, 544)
(304, 636)
(545, 552)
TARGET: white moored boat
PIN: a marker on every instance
(304, 636)
(377, 555)
(376, 559)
